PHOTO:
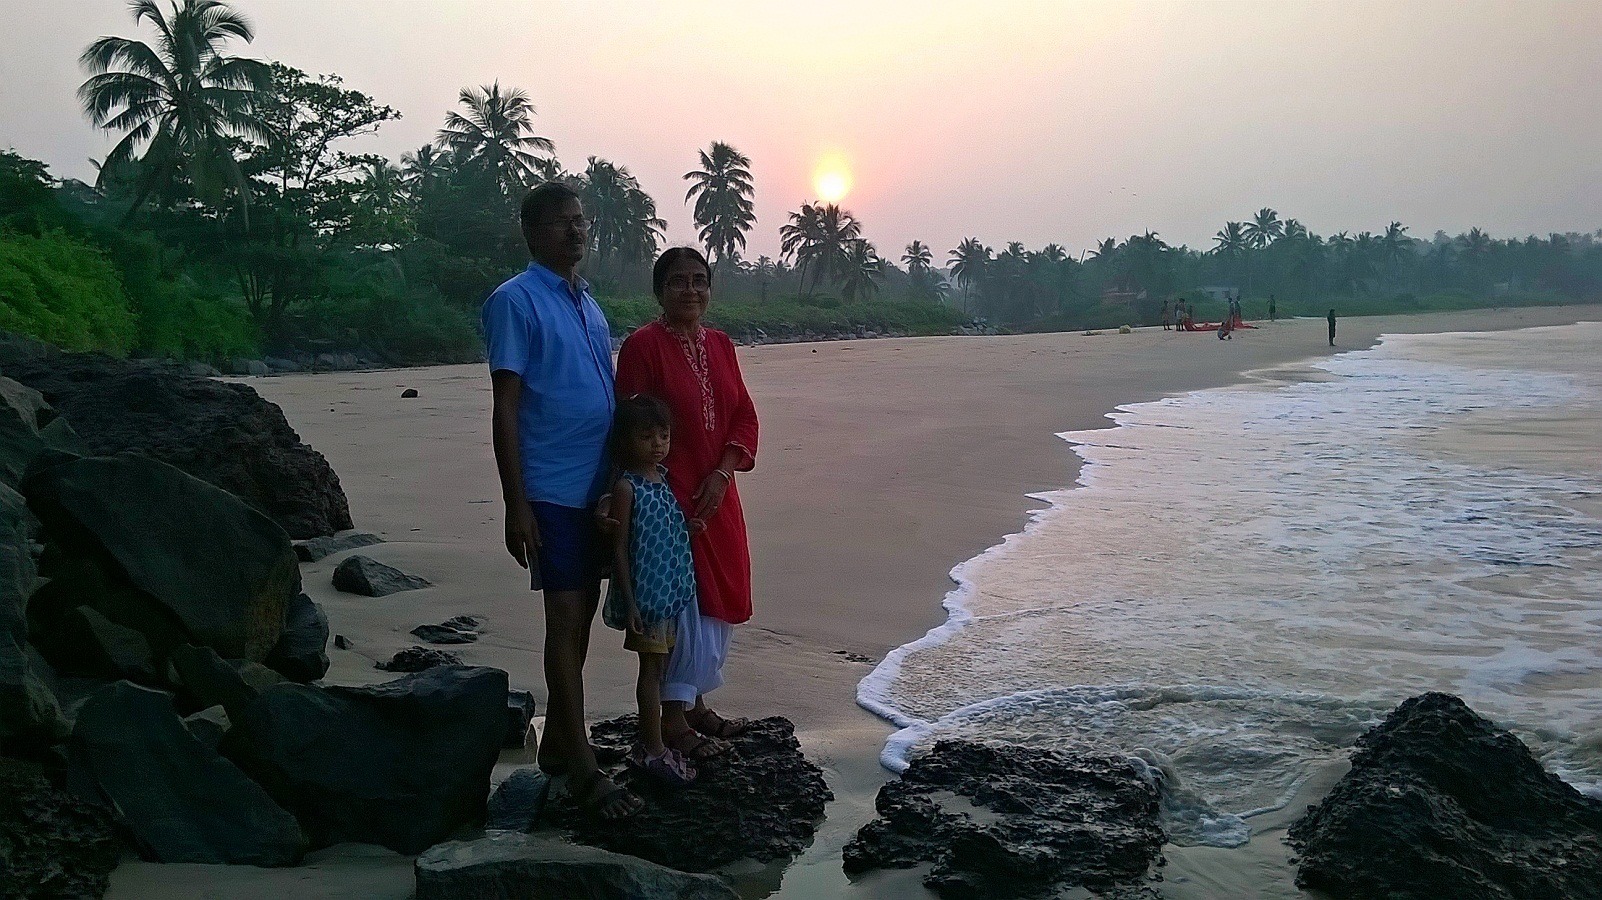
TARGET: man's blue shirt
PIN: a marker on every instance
(557, 339)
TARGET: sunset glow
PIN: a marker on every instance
(832, 180)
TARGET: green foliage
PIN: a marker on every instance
(63, 291)
(821, 315)
(176, 322)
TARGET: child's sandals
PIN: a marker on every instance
(669, 767)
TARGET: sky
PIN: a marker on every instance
(1007, 121)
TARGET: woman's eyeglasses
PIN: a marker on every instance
(685, 282)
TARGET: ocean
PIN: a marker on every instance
(1243, 580)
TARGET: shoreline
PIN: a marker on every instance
(885, 464)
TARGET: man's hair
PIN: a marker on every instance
(634, 415)
(669, 257)
(542, 201)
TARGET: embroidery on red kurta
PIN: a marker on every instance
(694, 347)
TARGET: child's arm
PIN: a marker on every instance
(622, 575)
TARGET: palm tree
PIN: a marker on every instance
(626, 227)
(1395, 245)
(918, 259)
(184, 100)
(1263, 229)
(424, 166)
(497, 132)
(798, 236)
(968, 264)
(1231, 243)
(863, 269)
(820, 237)
(722, 189)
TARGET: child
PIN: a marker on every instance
(653, 579)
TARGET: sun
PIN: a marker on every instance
(832, 179)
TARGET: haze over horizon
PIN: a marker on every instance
(1033, 122)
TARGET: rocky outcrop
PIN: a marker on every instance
(402, 764)
(224, 572)
(511, 866)
(371, 578)
(52, 844)
(518, 801)
(302, 650)
(30, 718)
(1440, 802)
(224, 434)
(1001, 820)
(762, 800)
(180, 800)
(418, 659)
(318, 548)
(519, 716)
(459, 630)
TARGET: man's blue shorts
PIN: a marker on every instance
(572, 553)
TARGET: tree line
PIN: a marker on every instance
(231, 216)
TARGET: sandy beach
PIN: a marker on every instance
(883, 464)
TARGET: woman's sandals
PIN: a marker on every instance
(669, 767)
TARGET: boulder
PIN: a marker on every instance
(23, 412)
(219, 432)
(302, 650)
(319, 547)
(208, 726)
(511, 866)
(762, 800)
(519, 716)
(180, 801)
(418, 659)
(30, 718)
(409, 394)
(1440, 802)
(1002, 820)
(371, 578)
(56, 627)
(224, 571)
(52, 844)
(402, 764)
(110, 650)
(517, 801)
(209, 680)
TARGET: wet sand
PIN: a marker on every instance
(883, 464)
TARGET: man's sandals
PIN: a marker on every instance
(713, 725)
(609, 803)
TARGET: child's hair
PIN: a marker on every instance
(634, 415)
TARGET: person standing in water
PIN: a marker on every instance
(1332, 328)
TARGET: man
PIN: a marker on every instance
(1332, 328)
(1273, 313)
(550, 356)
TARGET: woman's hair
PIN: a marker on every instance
(634, 415)
(665, 262)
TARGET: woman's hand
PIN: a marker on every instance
(709, 496)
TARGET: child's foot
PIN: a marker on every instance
(669, 767)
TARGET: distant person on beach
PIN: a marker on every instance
(1180, 314)
(550, 358)
(693, 369)
(653, 577)
(1332, 328)
(1272, 313)
(1168, 315)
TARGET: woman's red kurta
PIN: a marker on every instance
(709, 416)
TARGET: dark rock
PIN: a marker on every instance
(1442, 803)
(462, 623)
(762, 800)
(1001, 820)
(409, 393)
(201, 370)
(222, 433)
(110, 650)
(319, 547)
(302, 650)
(517, 801)
(526, 867)
(402, 764)
(418, 659)
(341, 642)
(519, 716)
(181, 801)
(443, 634)
(30, 718)
(52, 844)
(23, 412)
(56, 628)
(225, 571)
(209, 680)
(208, 726)
(280, 364)
(371, 578)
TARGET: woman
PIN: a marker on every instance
(692, 368)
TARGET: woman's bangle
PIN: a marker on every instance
(728, 477)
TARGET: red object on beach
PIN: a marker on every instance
(653, 360)
(1213, 326)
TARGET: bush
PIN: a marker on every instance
(787, 315)
(65, 292)
(177, 323)
(420, 328)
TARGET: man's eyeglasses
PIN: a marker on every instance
(582, 223)
(684, 282)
